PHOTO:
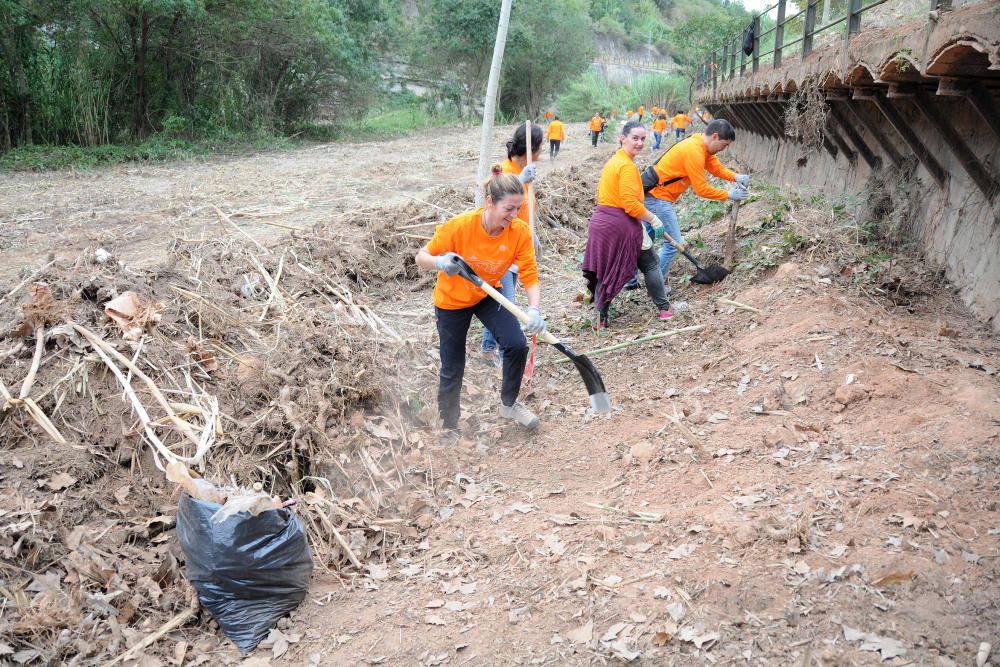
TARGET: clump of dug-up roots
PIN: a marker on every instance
(806, 116)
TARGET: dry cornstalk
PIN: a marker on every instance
(174, 623)
(225, 218)
(36, 361)
(737, 304)
(101, 346)
(33, 411)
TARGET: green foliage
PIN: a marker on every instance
(99, 71)
(590, 93)
(550, 43)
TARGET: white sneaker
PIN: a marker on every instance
(520, 413)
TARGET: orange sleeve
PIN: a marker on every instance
(716, 168)
(694, 166)
(443, 240)
(630, 190)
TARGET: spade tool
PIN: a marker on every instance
(600, 402)
(713, 273)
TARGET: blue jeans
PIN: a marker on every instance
(664, 210)
(657, 138)
(507, 289)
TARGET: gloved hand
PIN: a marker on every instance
(447, 264)
(743, 180)
(528, 174)
(535, 324)
(737, 193)
(657, 226)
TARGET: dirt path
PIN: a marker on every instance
(135, 211)
(809, 479)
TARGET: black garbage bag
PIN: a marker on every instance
(249, 571)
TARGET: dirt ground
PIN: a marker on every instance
(803, 472)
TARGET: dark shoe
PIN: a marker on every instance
(631, 285)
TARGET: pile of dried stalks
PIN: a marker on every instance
(250, 364)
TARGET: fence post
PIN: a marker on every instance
(756, 42)
(743, 55)
(715, 72)
(853, 18)
(779, 33)
(733, 46)
(809, 28)
(725, 60)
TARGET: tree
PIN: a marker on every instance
(456, 43)
(551, 43)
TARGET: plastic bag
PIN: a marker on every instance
(249, 571)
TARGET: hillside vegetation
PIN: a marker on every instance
(162, 78)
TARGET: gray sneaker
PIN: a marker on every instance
(520, 413)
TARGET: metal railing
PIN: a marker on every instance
(722, 65)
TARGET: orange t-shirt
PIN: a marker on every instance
(629, 113)
(689, 159)
(680, 121)
(489, 256)
(620, 185)
(642, 110)
(557, 131)
(510, 167)
(660, 125)
(655, 110)
(595, 124)
(548, 114)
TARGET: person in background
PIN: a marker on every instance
(641, 112)
(659, 127)
(490, 239)
(629, 114)
(655, 111)
(683, 167)
(679, 123)
(516, 164)
(596, 126)
(556, 135)
(548, 115)
(616, 239)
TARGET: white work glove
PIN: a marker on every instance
(737, 193)
(743, 180)
(657, 226)
(535, 324)
(447, 264)
(528, 174)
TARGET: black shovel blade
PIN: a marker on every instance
(600, 402)
(711, 274)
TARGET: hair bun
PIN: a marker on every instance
(496, 169)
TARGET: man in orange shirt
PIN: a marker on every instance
(659, 127)
(596, 125)
(683, 167)
(548, 115)
(556, 135)
(629, 114)
(641, 111)
(490, 239)
(680, 122)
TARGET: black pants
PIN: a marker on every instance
(554, 147)
(593, 138)
(649, 265)
(453, 328)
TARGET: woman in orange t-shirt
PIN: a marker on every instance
(617, 242)
(490, 239)
(517, 164)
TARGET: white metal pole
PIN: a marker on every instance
(490, 107)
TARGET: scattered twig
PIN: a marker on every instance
(174, 623)
(730, 302)
(644, 339)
